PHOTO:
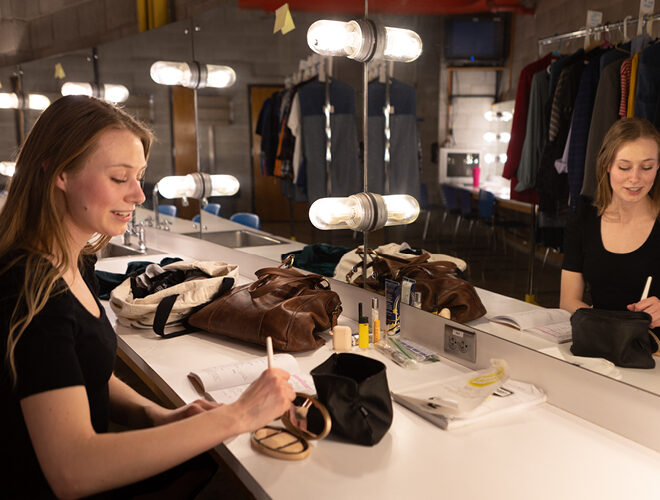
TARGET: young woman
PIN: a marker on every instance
(76, 184)
(614, 245)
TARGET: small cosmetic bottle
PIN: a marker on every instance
(375, 321)
(363, 329)
(341, 338)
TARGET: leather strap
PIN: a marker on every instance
(164, 309)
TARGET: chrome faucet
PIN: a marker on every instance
(134, 228)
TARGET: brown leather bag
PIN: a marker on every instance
(384, 267)
(438, 281)
(282, 303)
(441, 287)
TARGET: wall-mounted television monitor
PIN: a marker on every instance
(476, 40)
(456, 165)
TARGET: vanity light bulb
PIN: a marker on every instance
(77, 88)
(219, 77)
(363, 40)
(7, 168)
(498, 116)
(490, 137)
(334, 38)
(224, 185)
(503, 158)
(489, 158)
(401, 209)
(176, 186)
(171, 73)
(8, 100)
(114, 92)
(336, 213)
(197, 186)
(401, 45)
(504, 137)
(357, 212)
(38, 101)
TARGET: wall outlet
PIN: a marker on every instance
(461, 343)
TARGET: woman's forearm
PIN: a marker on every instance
(128, 407)
(77, 461)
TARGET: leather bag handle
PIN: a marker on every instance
(165, 306)
(265, 284)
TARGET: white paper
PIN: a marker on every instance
(551, 324)
(225, 383)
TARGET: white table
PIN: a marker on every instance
(541, 453)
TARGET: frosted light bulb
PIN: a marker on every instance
(224, 185)
(363, 211)
(7, 168)
(490, 137)
(219, 76)
(38, 101)
(336, 213)
(503, 158)
(335, 38)
(498, 116)
(401, 209)
(363, 40)
(8, 100)
(197, 185)
(401, 45)
(171, 73)
(77, 88)
(176, 186)
(489, 158)
(504, 137)
(114, 92)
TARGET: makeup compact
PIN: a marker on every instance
(306, 420)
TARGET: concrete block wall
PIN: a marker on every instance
(33, 29)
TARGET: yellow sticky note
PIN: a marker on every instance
(283, 20)
(59, 71)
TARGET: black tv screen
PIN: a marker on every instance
(476, 40)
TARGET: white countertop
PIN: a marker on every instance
(541, 453)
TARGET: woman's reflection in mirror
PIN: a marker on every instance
(613, 245)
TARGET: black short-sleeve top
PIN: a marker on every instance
(64, 345)
(615, 279)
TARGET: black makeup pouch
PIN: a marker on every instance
(622, 337)
(355, 392)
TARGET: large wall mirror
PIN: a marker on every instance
(226, 120)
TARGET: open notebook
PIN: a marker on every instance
(225, 383)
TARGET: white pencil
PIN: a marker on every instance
(269, 351)
(647, 287)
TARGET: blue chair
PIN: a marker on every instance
(450, 195)
(465, 205)
(167, 210)
(486, 203)
(247, 219)
(212, 208)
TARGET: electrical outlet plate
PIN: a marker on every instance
(461, 343)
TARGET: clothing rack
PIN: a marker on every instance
(311, 67)
(603, 28)
(384, 71)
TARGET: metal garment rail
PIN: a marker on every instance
(603, 28)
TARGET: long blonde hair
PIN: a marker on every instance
(623, 131)
(32, 231)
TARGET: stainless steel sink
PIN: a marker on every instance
(115, 250)
(237, 238)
